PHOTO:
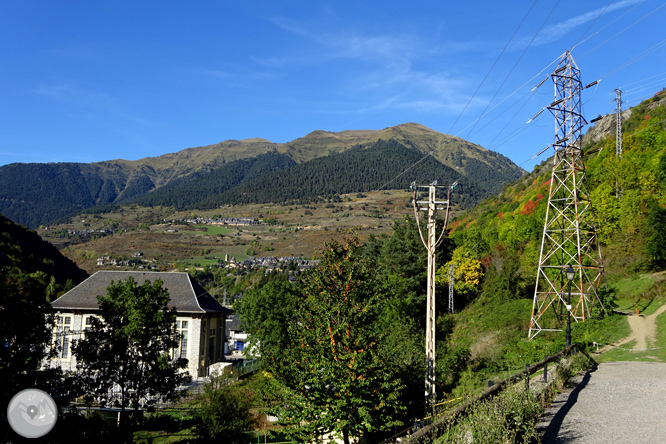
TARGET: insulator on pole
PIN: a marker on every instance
(536, 115)
(556, 102)
(540, 83)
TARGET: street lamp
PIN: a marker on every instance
(570, 275)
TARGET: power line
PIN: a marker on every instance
(511, 119)
(636, 22)
(491, 68)
(650, 86)
(640, 98)
(515, 64)
(591, 24)
(520, 129)
(642, 80)
(597, 32)
(635, 58)
(514, 92)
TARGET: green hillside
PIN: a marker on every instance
(504, 232)
(24, 253)
(628, 196)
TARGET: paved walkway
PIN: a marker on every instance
(619, 402)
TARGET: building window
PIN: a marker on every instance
(181, 339)
(211, 343)
(63, 327)
(87, 325)
(239, 346)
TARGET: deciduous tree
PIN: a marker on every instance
(335, 379)
(128, 346)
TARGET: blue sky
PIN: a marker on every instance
(86, 81)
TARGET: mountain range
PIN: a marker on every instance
(248, 170)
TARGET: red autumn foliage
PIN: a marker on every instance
(529, 207)
(485, 261)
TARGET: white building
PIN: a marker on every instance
(200, 319)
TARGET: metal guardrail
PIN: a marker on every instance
(424, 434)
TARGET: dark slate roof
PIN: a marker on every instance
(186, 294)
(233, 323)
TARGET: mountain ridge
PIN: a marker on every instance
(37, 194)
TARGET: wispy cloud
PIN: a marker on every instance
(216, 73)
(71, 92)
(559, 30)
(290, 26)
(54, 91)
(383, 68)
(77, 51)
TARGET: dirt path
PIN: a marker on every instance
(643, 331)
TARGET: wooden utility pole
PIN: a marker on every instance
(431, 206)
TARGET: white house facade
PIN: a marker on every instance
(200, 319)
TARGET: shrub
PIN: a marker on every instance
(224, 413)
(510, 417)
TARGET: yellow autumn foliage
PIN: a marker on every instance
(467, 272)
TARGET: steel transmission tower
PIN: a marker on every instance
(432, 205)
(451, 288)
(569, 233)
(618, 123)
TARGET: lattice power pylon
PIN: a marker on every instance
(451, 308)
(618, 123)
(569, 233)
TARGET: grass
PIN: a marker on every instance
(202, 261)
(656, 349)
(605, 331)
(216, 229)
(160, 437)
(642, 292)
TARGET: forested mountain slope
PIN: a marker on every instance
(360, 169)
(25, 256)
(189, 192)
(35, 194)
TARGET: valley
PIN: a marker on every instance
(166, 242)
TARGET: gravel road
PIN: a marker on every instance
(619, 402)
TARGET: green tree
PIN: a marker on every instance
(335, 379)
(24, 332)
(265, 314)
(224, 412)
(656, 243)
(128, 345)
